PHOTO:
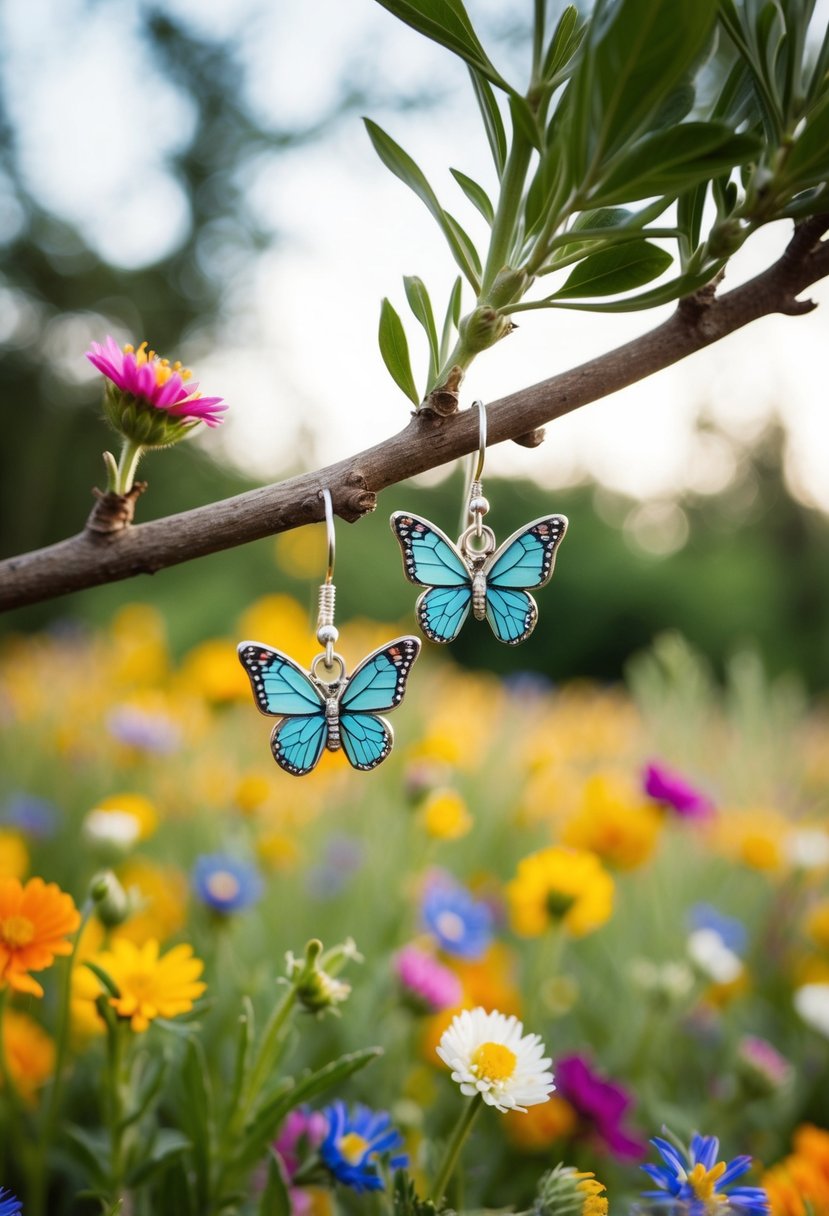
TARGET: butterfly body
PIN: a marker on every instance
(320, 714)
(492, 582)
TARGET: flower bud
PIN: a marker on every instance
(483, 327)
(314, 980)
(112, 904)
(566, 1191)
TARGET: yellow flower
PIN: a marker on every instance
(754, 837)
(278, 620)
(253, 789)
(594, 1202)
(445, 815)
(14, 856)
(158, 895)
(138, 653)
(560, 886)
(213, 671)
(279, 851)
(35, 923)
(613, 823)
(29, 1051)
(135, 807)
(817, 924)
(150, 985)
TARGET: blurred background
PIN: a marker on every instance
(197, 174)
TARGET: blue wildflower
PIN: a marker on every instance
(355, 1141)
(697, 1178)
(9, 1206)
(35, 816)
(226, 884)
(731, 932)
(144, 730)
(461, 924)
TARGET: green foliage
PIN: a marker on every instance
(671, 105)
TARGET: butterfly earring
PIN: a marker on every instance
(324, 707)
(494, 582)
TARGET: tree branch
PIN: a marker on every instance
(91, 558)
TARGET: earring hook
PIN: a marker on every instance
(478, 505)
(327, 632)
(481, 440)
(325, 495)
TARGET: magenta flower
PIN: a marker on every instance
(155, 382)
(672, 790)
(601, 1105)
(425, 982)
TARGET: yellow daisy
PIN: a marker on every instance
(560, 886)
(150, 985)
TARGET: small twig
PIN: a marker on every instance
(428, 441)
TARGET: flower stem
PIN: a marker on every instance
(131, 453)
(39, 1176)
(15, 1133)
(453, 1148)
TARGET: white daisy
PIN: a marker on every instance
(490, 1055)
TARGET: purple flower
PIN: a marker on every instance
(427, 984)
(672, 790)
(302, 1130)
(701, 1182)
(600, 1104)
(148, 732)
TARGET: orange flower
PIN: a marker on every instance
(30, 1053)
(35, 921)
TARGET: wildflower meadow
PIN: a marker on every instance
(555, 922)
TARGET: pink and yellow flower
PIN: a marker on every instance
(155, 382)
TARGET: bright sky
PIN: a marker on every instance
(301, 365)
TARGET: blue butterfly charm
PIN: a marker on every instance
(493, 582)
(318, 713)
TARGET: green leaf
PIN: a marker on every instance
(525, 123)
(671, 162)
(447, 23)
(105, 978)
(476, 194)
(808, 162)
(402, 166)
(167, 1144)
(451, 321)
(91, 1149)
(196, 1117)
(683, 285)
(395, 351)
(275, 1198)
(493, 122)
(421, 306)
(563, 45)
(613, 270)
(244, 1048)
(689, 211)
(635, 54)
(147, 1086)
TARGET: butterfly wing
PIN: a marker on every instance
(366, 739)
(380, 680)
(512, 614)
(297, 743)
(378, 683)
(429, 557)
(526, 558)
(280, 686)
(441, 611)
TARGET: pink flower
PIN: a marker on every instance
(426, 983)
(601, 1105)
(155, 382)
(672, 789)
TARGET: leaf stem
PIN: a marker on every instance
(507, 212)
(453, 1148)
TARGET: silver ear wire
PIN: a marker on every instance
(327, 632)
(477, 504)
